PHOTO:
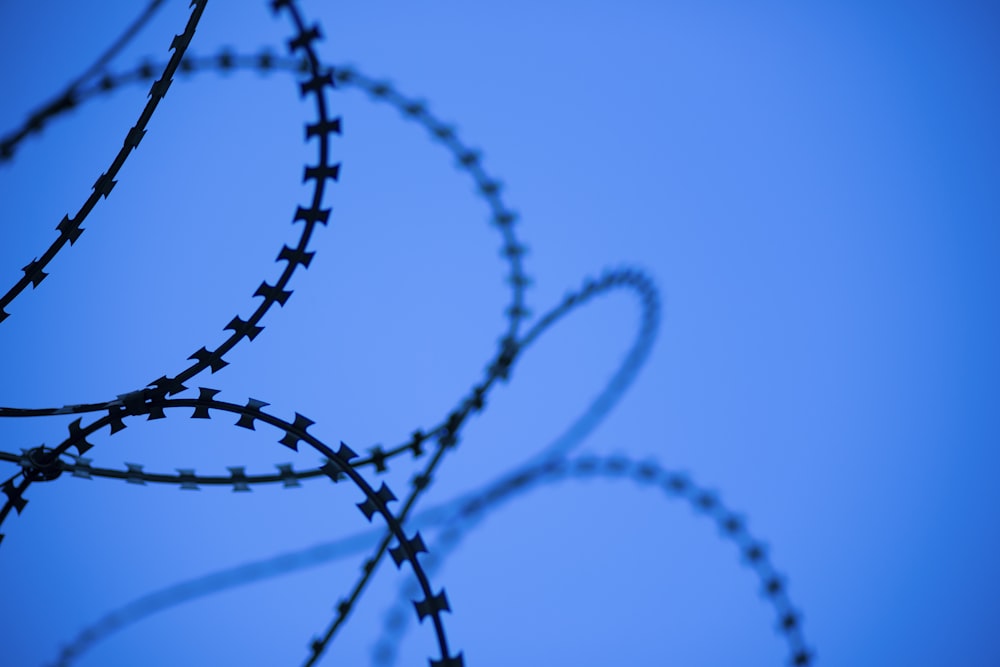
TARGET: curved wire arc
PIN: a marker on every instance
(168, 393)
(69, 228)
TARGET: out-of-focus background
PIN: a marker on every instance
(813, 189)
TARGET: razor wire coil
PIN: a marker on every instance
(170, 393)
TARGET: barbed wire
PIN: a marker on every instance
(467, 159)
(41, 464)
(469, 513)
(454, 521)
(69, 227)
(169, 393)
(377, 457)
(74, 92)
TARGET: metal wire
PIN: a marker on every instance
(165, 396)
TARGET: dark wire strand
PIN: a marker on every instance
(167, 393)
(70, 95)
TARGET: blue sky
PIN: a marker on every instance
(811, 187)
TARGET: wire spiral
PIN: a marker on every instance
(173, 392)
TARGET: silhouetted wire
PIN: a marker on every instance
(376, 502)
(613, 279)
(448, 431)
(127, 36)
(154, 403)
(69, 98)
(470, 513)
(160, 396)
(573, 436)
(318, 80)
(69, 228)
(459, 518)
(216, 582)
(632, 279)
(467, 159)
